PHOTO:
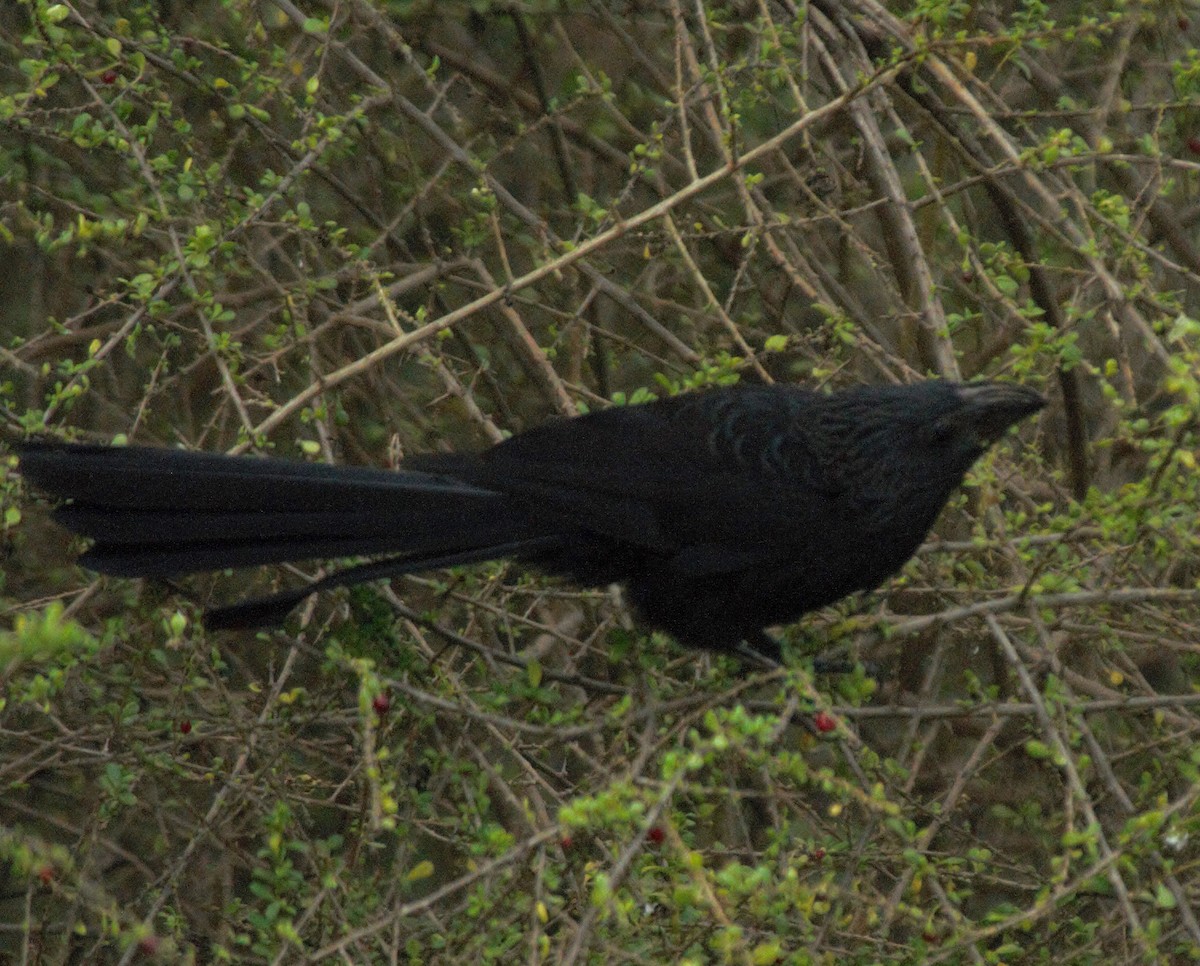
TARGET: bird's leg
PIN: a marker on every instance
(842, 665)
(760, 648)
(834, 665)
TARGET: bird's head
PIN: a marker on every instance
(975, 415)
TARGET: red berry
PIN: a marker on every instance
(824, 722)
(148, 946)
(565, 843)
(817, 855)
(46, 874)
(185, 727)
(108, 77)
(1193, 144)
(655, 835)
(381, 704)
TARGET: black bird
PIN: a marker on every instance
(721, 512)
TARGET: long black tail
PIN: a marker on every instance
(163, 512)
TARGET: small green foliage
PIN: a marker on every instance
(721, 371)
(38, 654)
(116, 790)
(224, 224)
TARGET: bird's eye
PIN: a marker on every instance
(943, 431)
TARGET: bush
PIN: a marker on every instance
(354, 231)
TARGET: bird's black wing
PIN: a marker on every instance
(713, 480)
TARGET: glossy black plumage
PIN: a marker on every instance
(722, 512)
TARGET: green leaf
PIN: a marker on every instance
(422, 870)
(1037, 749)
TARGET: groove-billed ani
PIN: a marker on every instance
(721, 512)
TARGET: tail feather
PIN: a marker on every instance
(146, 478)
(147, 543)
(272, 609)
(161, 512)
(138, 527)
(177, 557)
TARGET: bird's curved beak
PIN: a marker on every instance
(996, 406)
